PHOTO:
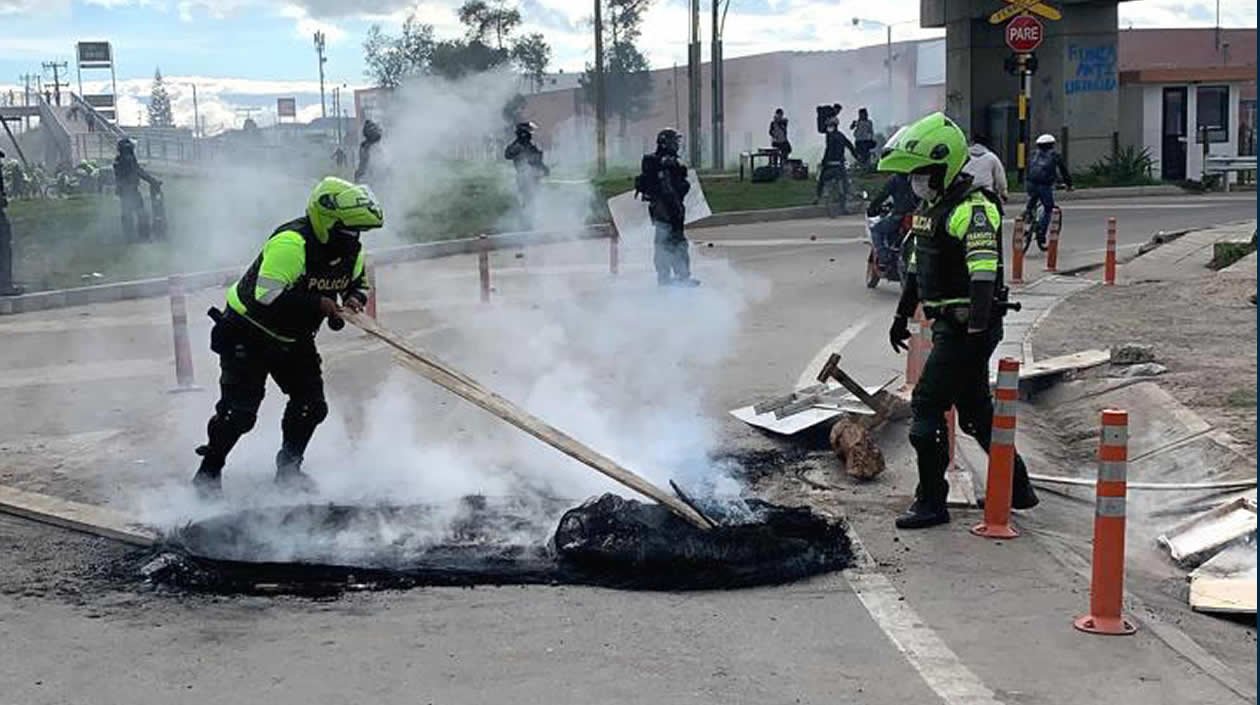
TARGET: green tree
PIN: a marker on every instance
(532, 54)
(627, 75)
(390, 59)
(484, 19)
(160, 103)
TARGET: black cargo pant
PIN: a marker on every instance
(247, 356)
(670, 256)
(956, 374)
(135, 221)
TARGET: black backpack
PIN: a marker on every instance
(648, 181)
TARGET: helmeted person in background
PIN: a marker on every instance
(273, 313)
(779, 133)
(900, 201)
(371, 138)
(954, 269)
(1045, 165)
(662, 182)
(527, 158)
(833, 163)
(863, 136)
(127, 176)
(7, 287)
(986, 170)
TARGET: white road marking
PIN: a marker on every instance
(809, 376)
(779, 242)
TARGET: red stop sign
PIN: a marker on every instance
(1024, 34)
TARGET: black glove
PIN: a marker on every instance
(872, 211)
(898, 334)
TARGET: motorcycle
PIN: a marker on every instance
(890, 268)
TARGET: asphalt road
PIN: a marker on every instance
(940, 617)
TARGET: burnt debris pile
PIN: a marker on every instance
(607, 541)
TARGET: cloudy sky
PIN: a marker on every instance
(248, 52)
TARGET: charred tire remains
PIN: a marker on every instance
(608, 541)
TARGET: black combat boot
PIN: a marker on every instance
(289, 475)
(922, 514)
(1022, 494)
(208, 482)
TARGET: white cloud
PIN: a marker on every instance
(307, 26)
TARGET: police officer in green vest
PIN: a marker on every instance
(954, 269)
(308, 270)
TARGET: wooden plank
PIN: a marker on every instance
(88, 518)
(1064, 363)
(442, 374)
(1232, 595)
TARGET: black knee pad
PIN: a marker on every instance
(232, 418)
(308, 412)
(928, 433)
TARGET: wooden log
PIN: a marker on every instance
(442, 374)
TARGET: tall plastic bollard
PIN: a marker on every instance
(1052, 250)
(997, 494)
(184, 380)
(614, 256)
(1106, 585)
(369, 271)
(483, 267)
(1017, 253)
(1109, 265)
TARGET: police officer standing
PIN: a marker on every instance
(7, 287)
(527, 159)
(273, 313)
(662, 181)
(371, 137)
(127, 176)
(954, 269)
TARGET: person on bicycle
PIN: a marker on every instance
(898, 198)
(1044, 166)
(833, 165)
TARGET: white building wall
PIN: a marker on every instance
(1147, 130)
(1153, 123)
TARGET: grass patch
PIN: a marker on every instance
(1242, 398)
(1226, 253)
(726, 193)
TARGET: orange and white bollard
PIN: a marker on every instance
(369, 272)
(1109, 265)
(483, 267)
(1017, 253)
(614, 255)
(1106, 586)
(184, 380)
(997, 492)
(1052, 249)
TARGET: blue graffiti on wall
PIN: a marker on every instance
(1092, 69)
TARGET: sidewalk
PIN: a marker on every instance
(1186, 257)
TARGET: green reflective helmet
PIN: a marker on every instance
(337, 203)
(932, 141)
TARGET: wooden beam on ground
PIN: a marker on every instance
(442, 374)
(87, 518)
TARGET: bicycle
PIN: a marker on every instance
(1032, 217)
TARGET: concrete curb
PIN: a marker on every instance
(160, 286)
(771, 215)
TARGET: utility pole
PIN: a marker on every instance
(715, 71)
(56, 67)
(26, 97)
(319, 51)
(693, 85)
(889, 59)
(196, 114)
(601, 137)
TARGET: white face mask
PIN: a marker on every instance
(919, 184)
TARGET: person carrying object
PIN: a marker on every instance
(954, 269)
(833, 164)
(7, 287)
(1045, 166)
(127, 177)
(308, 270)
(662, 182)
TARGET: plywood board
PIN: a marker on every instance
(820, 413)
(1201, 537)
(1233, 595)
(88, 518)
(1064, 363)
(630, 215)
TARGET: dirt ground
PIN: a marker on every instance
(1203, 330)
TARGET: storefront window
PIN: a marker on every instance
(1212, 113)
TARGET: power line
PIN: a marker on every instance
(56, 67)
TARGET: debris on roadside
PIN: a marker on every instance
(1132, 354)
(1227, 582)
(1141, 369)
(1201, 537)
